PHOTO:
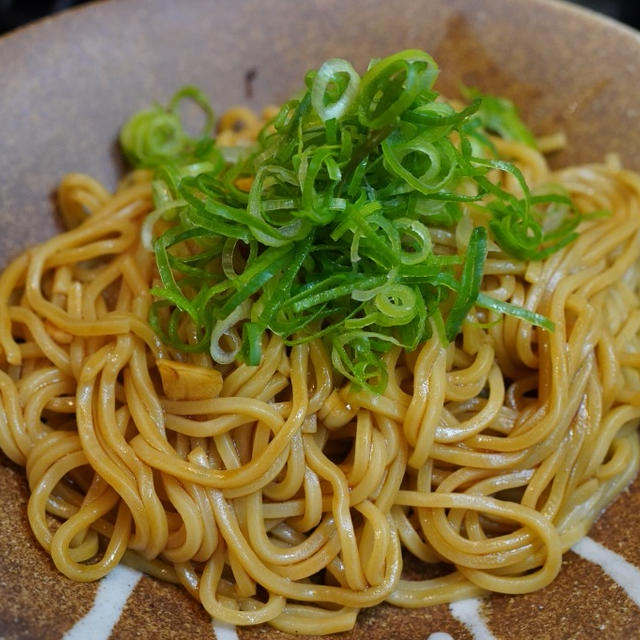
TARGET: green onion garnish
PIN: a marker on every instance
(499, 116)
(334, 237)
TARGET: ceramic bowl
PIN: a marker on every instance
(68, 83)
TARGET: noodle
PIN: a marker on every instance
(291, 497)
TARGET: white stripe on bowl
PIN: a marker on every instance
(468, 612)
(613, 564)
(113, 591)
(224, 630)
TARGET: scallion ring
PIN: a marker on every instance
(329, 74)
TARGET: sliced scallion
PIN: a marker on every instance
(325, 228)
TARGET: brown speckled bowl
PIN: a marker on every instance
(68, 83)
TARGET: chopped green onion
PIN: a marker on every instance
(499, 116)
(469, 283)
(155, 137)
(500, 306)
(328, 75)
(335, 236)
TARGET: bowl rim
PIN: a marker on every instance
(559, 5)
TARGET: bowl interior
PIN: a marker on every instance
(69, 83)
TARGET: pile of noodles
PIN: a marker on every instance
(291, 498)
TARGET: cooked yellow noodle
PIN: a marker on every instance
(291, 498)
